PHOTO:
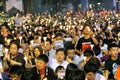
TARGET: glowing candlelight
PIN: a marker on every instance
(32, 41)
(85, 58)
(6, 50)
(20, 39)
(13, 32)
(45, 79)
(45, 38)
(25, 58)
(92, 46)
(8, 41)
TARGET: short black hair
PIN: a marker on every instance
(90, 67)
(16, 42)
(85, 25)
(58, 68)
(77, 75)
(96, 50)
(112, 45)
(70, 47)
(58, 34)
(61, 49)
(88, 52)
(43, 57)
(16, 70)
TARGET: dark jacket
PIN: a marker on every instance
(49, 74)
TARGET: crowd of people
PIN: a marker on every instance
(62, 46)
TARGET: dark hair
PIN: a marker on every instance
(58, 68)
(85, 25)
(40, 49)
(96, 50)
(70, 47)
(6, 25)
(77, 75)
(58, 34)
(16, 70)
(43, 57)
(61, 49)
(112, 45)
(71, 67)
(88, 52)
(49, 40)
(95, 61)
(16, 43)
(90, 67)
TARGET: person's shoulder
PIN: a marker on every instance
(100, 77)
(20, 54)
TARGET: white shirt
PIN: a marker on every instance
(52, 53)
(1, 68)
(99, 77)
(54, 64)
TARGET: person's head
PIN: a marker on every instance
(88, 54)
(86, 29)
(77, 75)
(16, 72)
(71, 67)
(4, 29)
(37, 51)
(95, 61)
(60, 54)
(59, 36)
(48, 44)
(96, 50)
(90, 70)
(60, 72)
(70, 52)
(13, 48)
(100, 40)
(41, 61)
(113, 50)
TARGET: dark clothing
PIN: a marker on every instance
(84, 44)
(19, 58)
(105, 58)
(49, 74)
(2, 39)
(111, 66)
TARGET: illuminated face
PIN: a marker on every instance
(86, 30)
(70, 53)
(40, 64)
(13, 49)
(60, 56)
(90, 76)
(114, 52)
(48, 45)
(36, 52)
(15, 77)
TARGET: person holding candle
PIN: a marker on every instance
(13, 57)
(86, 41)
(30, 65)
(4, 34)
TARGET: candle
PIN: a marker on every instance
(45, 38)
(45, 79)
(85, 58)
(32, 41)
(25, 58)
(8, 41)
(20, 39)
(6, 50)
